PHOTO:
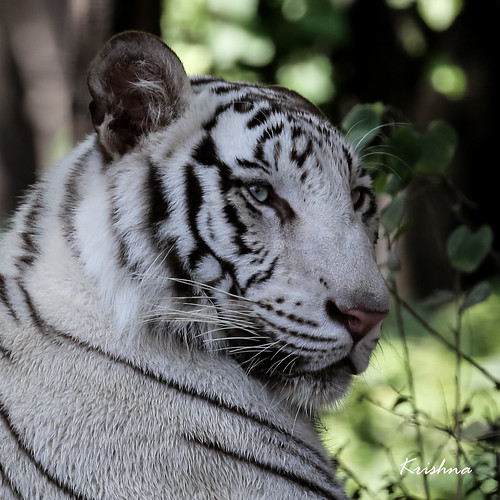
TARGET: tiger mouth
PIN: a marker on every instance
(273, 365)
(345, 365)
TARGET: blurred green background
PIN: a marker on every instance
(415, 76)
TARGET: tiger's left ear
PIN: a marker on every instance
(138, 85)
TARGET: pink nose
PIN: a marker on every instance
(358, 322)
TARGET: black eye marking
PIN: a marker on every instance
(264, 194)
(359, 196)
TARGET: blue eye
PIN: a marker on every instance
(260, 192)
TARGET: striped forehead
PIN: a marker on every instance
(252, 133)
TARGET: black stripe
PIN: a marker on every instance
(156, 212)
(296, 132)
(176, 267)
(5, 352)
(30, 250)
(286, 344)
(212, 122)
(5, 300)
(260, 155)
(41, 468)
(35, 317)
(261, 276)
(72, 198)
(272, 131)
(7, 482)
(282, 208)
(250, 208)
(261, 117)
(4, 297)
(348, 157)
(228, 87)
(259, 150)
(296, 319)
(363, 172)
(267, 467)
(69, 204)
(293, 333)
(232, 217)
(276, 154)
(372, 207)
(243, 106)
(226, 183)
(300, 158)
(194, 199)
(204, 80)
(159, 205)
(205, 153)
(257, 251)
(242, 162)
(122, 253)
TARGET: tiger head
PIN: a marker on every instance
(258, 210)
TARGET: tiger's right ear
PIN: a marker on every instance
(138, 85)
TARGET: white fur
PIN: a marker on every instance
(113, 387)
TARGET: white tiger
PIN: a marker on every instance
(182, 293)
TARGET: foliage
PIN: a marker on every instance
(432, 393)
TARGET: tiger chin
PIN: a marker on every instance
(182, 293)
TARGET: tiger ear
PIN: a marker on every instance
(138, 85)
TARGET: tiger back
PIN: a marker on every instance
(183, 292)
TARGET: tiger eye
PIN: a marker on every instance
(260, 192)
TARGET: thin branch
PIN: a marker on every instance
(411, 385)
(354, 478)
(447, 343)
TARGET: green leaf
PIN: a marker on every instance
(361, 125)
(474, 430)
(479, 293)
(438, 149)
(438, 298)
(393, 262)
(379, 183)
(403, 150)
(392, 214)
(402, 228)
(466, 250)
(396, 183)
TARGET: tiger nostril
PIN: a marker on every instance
(333, 311)
(358, 322)
(335, 314)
